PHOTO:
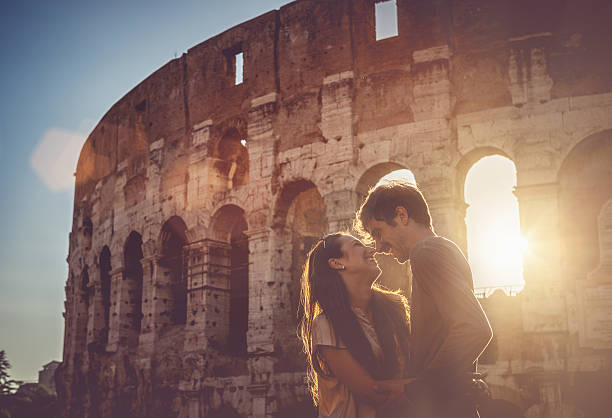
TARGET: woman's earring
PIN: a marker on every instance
(342, 267)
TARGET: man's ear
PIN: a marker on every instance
(402, 214)
(335, 264)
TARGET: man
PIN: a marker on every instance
(449, 328)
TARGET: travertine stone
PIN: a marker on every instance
(258, 172)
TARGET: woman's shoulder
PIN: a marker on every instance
(323, 331)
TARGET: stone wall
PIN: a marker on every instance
(196, 198)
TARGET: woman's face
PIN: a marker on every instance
(358, 259)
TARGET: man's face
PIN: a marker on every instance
(390, 239)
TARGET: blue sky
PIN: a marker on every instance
(64, 64)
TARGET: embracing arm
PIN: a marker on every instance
(356, 378)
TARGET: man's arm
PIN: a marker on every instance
(356, 378)
(443, 272)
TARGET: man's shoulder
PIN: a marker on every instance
(434, 245)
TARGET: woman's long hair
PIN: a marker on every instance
(322, 290)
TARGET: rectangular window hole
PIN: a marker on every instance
(234, 59)
(385, 13)
(239, 68)
(142, 106)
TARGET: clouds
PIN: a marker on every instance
(55, 158)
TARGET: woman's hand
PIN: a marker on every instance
(393, 390)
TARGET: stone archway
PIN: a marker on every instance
(585, 184)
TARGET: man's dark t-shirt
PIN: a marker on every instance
(449, 328)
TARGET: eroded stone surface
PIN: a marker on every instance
(243, 179)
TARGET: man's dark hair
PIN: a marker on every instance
(381, 201)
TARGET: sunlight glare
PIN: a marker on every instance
(495, 244)
(402, 174)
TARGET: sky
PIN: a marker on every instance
(64, 64)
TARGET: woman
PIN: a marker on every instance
(355, 334)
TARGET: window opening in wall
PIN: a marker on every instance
(172, 270)
(87, 233)
(85, 287)
(105, 288)
(239, 289)
(307, 223)
(141, 106)
(233, 164)
(495, 243)
(133, 274)
(238, 68)
(386, 19)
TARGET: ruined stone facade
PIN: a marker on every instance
(197, 197)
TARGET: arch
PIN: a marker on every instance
(87, 231)
(171, 279)
(300, 220)
(373, 174)
(494, 242)
(81, 302)
(224, 221)
(286, 197)
(172, 231)
(105, 289)
(576, 145)
(231, 249)
(467, 161)
(85, 286)
(133, 275)
(232, 159)
(585, 185)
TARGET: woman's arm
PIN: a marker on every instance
(356, 378)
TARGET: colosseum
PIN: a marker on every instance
(199, 192)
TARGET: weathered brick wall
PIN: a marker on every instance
(325, 110)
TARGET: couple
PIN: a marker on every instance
(367, 356)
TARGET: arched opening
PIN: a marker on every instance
(83, 302)
(105, 289)
(300, 222)
(133, 275)
(495, 244)
(85, 286)
(229, 274)
(393, 274)
(232, 165)
(171, 277)
(585, 185)
(87, 231)
(373, 175)
(239, 288)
